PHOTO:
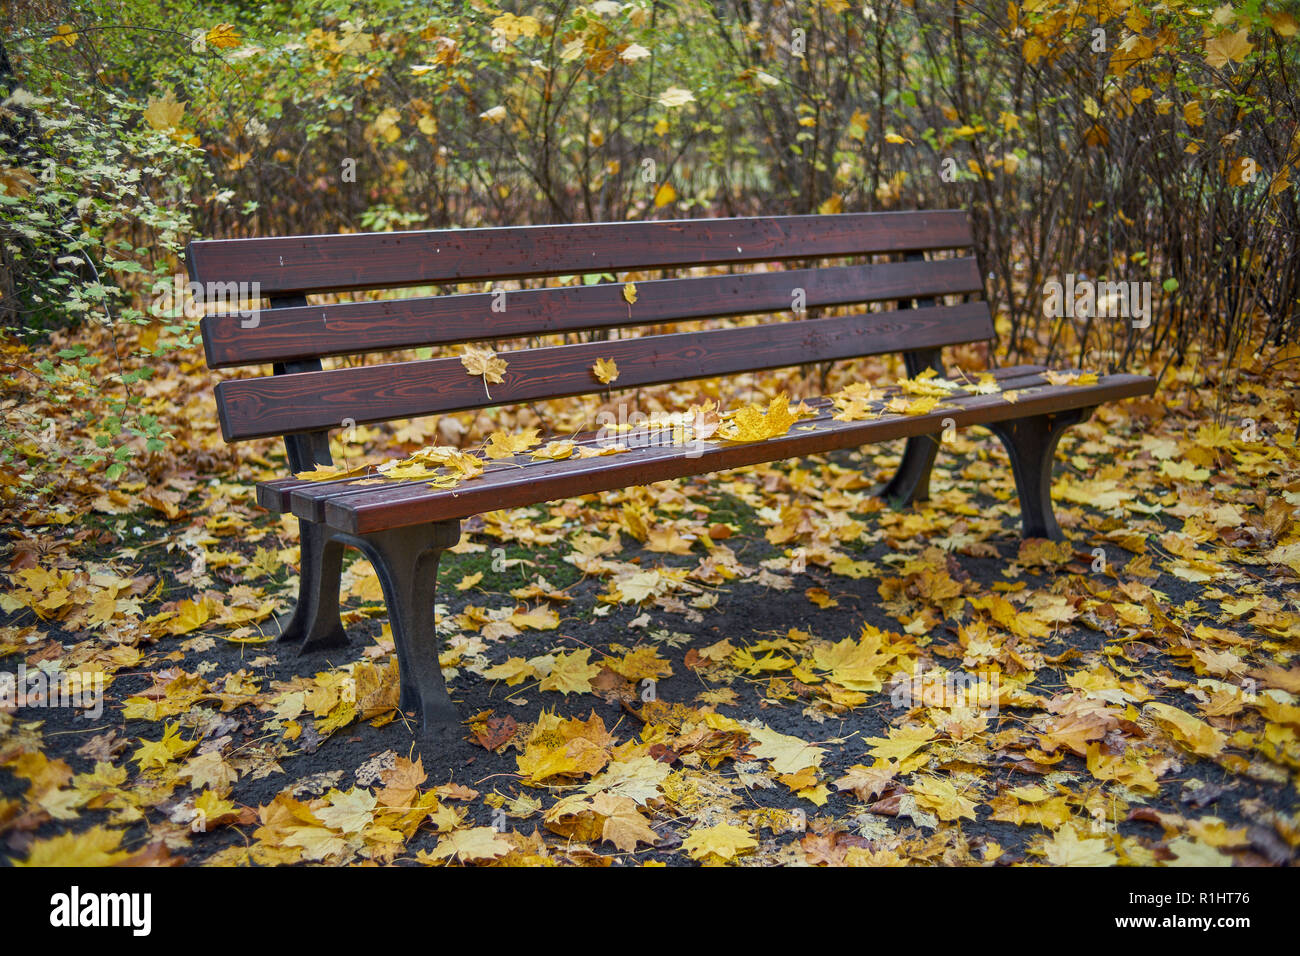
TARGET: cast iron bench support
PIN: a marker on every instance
(406, 560)
(1031, 446)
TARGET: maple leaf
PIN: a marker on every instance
(97, 846)
(571, 673)
(668, 541)
(703, 421)
(348, 812)
(1193, 734)
(641, 663)
(675, 97)
(629, 296)
(915, 406)
(723, 840)
(514, 671)
(1228, 48)
(901, 743)
(157, 754)
(484, 362)
(638, 778)
(788, 754)
(560, 747)
(1066, 849)
(606, 370)
(190, 616)
(1128, 768)
(317, 843)
(164, 113)
(209, 771)
(624, 826)
(755, 423)
(65, 35)
(928, 384)
(598, 451)
(855, 665)
(542, 618)
(223, 36)
(641, 585)
(940, 796)
(494, 732)
(504, 445)
(821, 597)
(867, 782)
(574, 818)
(1274, 676)
(555, 451)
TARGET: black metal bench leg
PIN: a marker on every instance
(315, 619)
(1031, 445)
(911, 483)
(406, 560)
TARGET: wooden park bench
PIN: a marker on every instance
(403, 527)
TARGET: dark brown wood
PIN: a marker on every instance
(357, 327)
(390, 260)
(283, 404)
(415, 503)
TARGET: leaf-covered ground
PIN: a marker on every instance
(758, 667)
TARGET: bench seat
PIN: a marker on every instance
(522, 480)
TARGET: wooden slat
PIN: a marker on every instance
(306, 498)
(284, 404)
(357, 327)
(396, 259)
(415, 503)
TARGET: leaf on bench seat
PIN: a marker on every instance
(455, 466)
(1071, 378)
(915, 406)
(504, 445)
(928, 384)
(555, 451)
(599, 451)
(987, 384)
(857, 402)
(332, 473)
(755, 423)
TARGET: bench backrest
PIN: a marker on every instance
(293, 336)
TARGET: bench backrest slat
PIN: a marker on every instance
(283, 404)
(293, 335)
(390, 260)
(286, 334)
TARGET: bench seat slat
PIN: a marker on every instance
(285, 404)
(287, 334)
(390, 260)
(279, 495)
(410, 503)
